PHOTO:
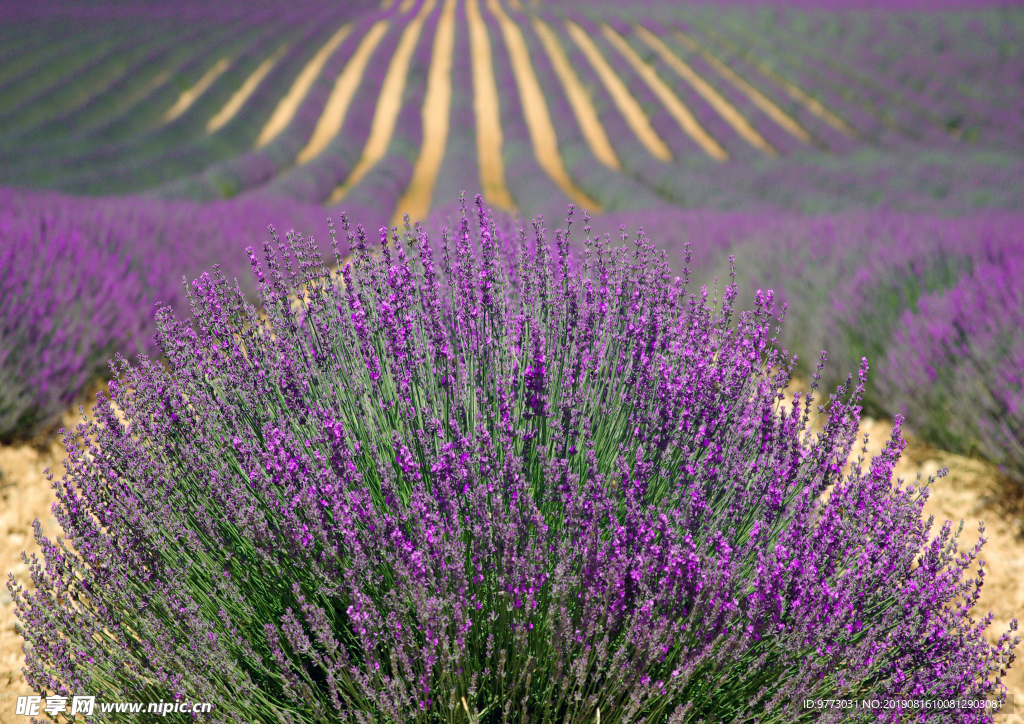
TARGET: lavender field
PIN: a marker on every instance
(496, 423)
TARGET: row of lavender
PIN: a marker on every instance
(928, 67)
(938, 175)
(80, 280)
(950, 178)
(84, 100)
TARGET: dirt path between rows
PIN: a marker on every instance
(972, 491)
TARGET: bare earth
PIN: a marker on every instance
(25, 495)
(972, 492)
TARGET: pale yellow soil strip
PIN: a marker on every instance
(436, 110)
(714, 99)
(579, 99)
(189, 96)
(810, 103)
(158, 80)
(756, 97)
(389, 103)
(676, 108)
(535, 111)
(133, 99)
(516, 5)
(386, 4)
(289, 105)
(623, 99)
(333, 116)
(240, 96)
(486, 108)
(406, 6)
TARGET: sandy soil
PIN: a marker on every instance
(486, 110)
(25, 495)
(972, 491)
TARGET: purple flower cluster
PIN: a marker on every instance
(490, 477)
(957, 364)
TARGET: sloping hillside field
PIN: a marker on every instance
(542, 397)
(609, 107)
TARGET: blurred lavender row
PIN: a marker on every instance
(957, 364)
(80, 278)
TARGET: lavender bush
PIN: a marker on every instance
(936, 301)
(492, 483)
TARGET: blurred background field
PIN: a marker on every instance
(864, 159)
